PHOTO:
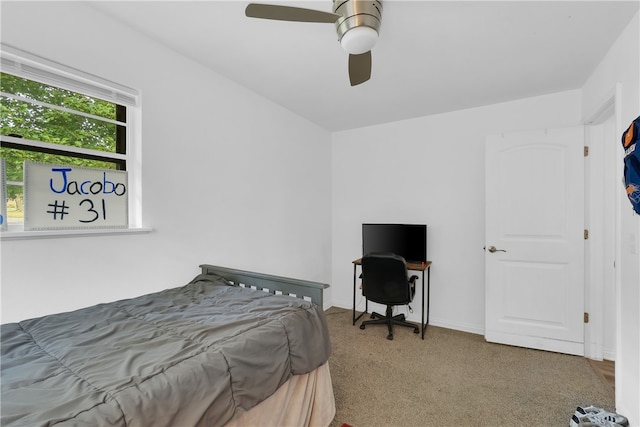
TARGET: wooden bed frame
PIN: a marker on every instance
(303, 289)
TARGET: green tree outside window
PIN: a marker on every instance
(87, 128)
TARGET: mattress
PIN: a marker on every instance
(304, 400)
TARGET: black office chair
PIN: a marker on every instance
(385, 281)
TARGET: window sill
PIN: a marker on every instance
(18, 233)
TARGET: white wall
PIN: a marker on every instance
(622, 65)
(430, 170)
(228, 177)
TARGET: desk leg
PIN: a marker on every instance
(422, 321)
(355, 319)
(428, 292)
(424, 325)
(354, 294)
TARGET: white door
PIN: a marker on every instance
(534, 262)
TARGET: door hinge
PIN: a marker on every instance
(586, 317)
(586, 150)
(586, 234)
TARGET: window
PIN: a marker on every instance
(53, 114)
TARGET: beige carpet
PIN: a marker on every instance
(452, 378)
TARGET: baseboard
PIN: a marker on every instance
(539, 343)
(416, 317)
(464, 327)
(609, 354)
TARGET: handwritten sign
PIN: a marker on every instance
(3, 195)
(68, 197)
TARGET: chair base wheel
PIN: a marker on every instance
(389, 320)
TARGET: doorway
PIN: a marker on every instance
(600, 250)
(596, 288)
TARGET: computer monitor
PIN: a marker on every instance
(407, 240)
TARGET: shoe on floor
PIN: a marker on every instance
(585, 422)
(602, 415)
(589, 416)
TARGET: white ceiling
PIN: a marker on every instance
(431, 57)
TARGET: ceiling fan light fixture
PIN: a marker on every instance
(357, 24)
(359, 40)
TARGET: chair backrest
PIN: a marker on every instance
(384, 279)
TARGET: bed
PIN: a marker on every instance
(229, 348)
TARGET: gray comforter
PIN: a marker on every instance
(182, 357)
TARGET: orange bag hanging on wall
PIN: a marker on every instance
(630, 140)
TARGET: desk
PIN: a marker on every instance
(414, 266)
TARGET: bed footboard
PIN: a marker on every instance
(303, 289)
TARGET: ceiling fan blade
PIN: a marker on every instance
(359, 68)
(288, 13)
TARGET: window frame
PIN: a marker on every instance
(28, 66)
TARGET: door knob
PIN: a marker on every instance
(493, 249)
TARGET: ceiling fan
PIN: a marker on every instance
(357, 23)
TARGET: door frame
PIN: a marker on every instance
(597, 262)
